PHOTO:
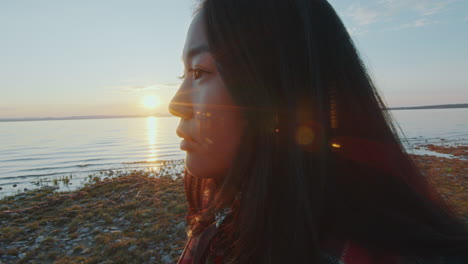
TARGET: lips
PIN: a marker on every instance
(187, 144)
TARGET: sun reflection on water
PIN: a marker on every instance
(151, 130)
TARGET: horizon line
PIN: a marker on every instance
(441, 106)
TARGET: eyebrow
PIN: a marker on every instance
(195, 51)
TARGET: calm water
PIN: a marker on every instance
(34, 151)
(434, 125)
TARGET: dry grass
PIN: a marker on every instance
(129, 219)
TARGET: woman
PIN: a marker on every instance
(291, 156)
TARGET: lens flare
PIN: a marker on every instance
(305, 135)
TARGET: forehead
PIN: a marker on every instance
(196, 41)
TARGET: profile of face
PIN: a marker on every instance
(211, 124)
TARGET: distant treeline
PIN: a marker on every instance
(78, 117)
(430, 107)
(164, 115)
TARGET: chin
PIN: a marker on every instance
(203, 167)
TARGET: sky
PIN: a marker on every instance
(109, 57)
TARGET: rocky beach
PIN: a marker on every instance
(138, 216)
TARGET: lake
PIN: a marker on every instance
(36, 152)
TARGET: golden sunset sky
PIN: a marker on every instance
(75, 58)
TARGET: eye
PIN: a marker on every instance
(197, 73)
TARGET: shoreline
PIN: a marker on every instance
(138, 217)
(72, 181)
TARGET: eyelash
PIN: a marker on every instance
(195, 73)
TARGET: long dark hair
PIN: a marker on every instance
(321, 158)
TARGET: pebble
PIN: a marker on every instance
(166, 259)
(14, 185)
(39, 239)
(84, 230)
(7, 257)
(22, 255)
(132, 248)
(181, 225)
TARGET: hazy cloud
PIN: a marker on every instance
(422, 7)
(6, 109)
(355, 31)
(148, 87)
(361, 15)
(422, 22)
(417, 23)
(417, 13)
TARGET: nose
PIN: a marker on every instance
(181, 105)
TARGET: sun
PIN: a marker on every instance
(151, 101)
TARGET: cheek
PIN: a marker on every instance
(223, 138)
(218, 128)
(219, 137)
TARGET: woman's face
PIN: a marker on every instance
(211, 124)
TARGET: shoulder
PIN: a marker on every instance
(434, 260)
(330, 259)
(354, 254)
